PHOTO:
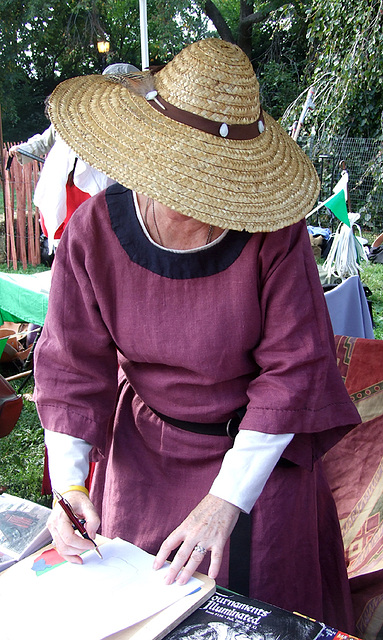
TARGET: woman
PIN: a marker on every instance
(186, 296)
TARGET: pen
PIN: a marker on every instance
(77, 523)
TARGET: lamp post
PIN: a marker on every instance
(103, 48)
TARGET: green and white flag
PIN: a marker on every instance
(337, 205)
(337, 202)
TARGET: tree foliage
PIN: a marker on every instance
(43, 42)
(346, 65)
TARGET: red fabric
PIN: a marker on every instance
(354, 468)
(46, 487)
(74, 197)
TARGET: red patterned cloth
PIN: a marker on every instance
(354, 468)
(74, 197)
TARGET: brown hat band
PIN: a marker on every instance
(220, 129)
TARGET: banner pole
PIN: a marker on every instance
(144, 35)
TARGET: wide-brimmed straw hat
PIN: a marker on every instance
(192, 136)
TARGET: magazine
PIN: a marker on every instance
(5, 561)
(23, 528)
(329, 633)
(228, 616)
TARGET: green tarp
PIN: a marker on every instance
(24, 298)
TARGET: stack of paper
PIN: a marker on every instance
(41, 601)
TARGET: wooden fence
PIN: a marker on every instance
(21, 217)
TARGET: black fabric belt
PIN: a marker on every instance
(229, 428)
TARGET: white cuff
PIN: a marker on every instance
(247, 466)
(68, 460)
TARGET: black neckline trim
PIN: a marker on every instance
(177, 266)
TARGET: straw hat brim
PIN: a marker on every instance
(262, 184)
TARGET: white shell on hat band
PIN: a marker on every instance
(224, 130)
(151, 95)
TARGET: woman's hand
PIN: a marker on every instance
(208, 526)
(69, 543)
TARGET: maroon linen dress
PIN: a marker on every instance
(196, 335)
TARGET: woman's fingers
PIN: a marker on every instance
(70, 544)
(205, 530)
(195, 560)
(185, 563)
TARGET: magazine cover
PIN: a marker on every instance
(234, 617)
(23, 527)
(329, 633)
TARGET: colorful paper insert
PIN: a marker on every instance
(46, 561)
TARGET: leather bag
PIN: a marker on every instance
(10, 407)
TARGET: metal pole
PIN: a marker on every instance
(144, 35)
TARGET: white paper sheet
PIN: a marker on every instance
(89, 601)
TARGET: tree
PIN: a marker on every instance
(248, 17)
(273, 35)
(35, 52)
(346, 66)
(43, 42)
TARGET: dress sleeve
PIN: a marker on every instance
(76, 357)
(299, 388)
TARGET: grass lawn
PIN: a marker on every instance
(372, 276)
(28, 270)
(22, 452)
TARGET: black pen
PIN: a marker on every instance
(65, 505)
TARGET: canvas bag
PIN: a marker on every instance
(10, 407)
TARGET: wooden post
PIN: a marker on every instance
(2, 178)
(23, 242)
(10, 223)
(21, 226)
(37, 216)
(30, 230)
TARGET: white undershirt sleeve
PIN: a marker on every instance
(68, 460)
(247, 466)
